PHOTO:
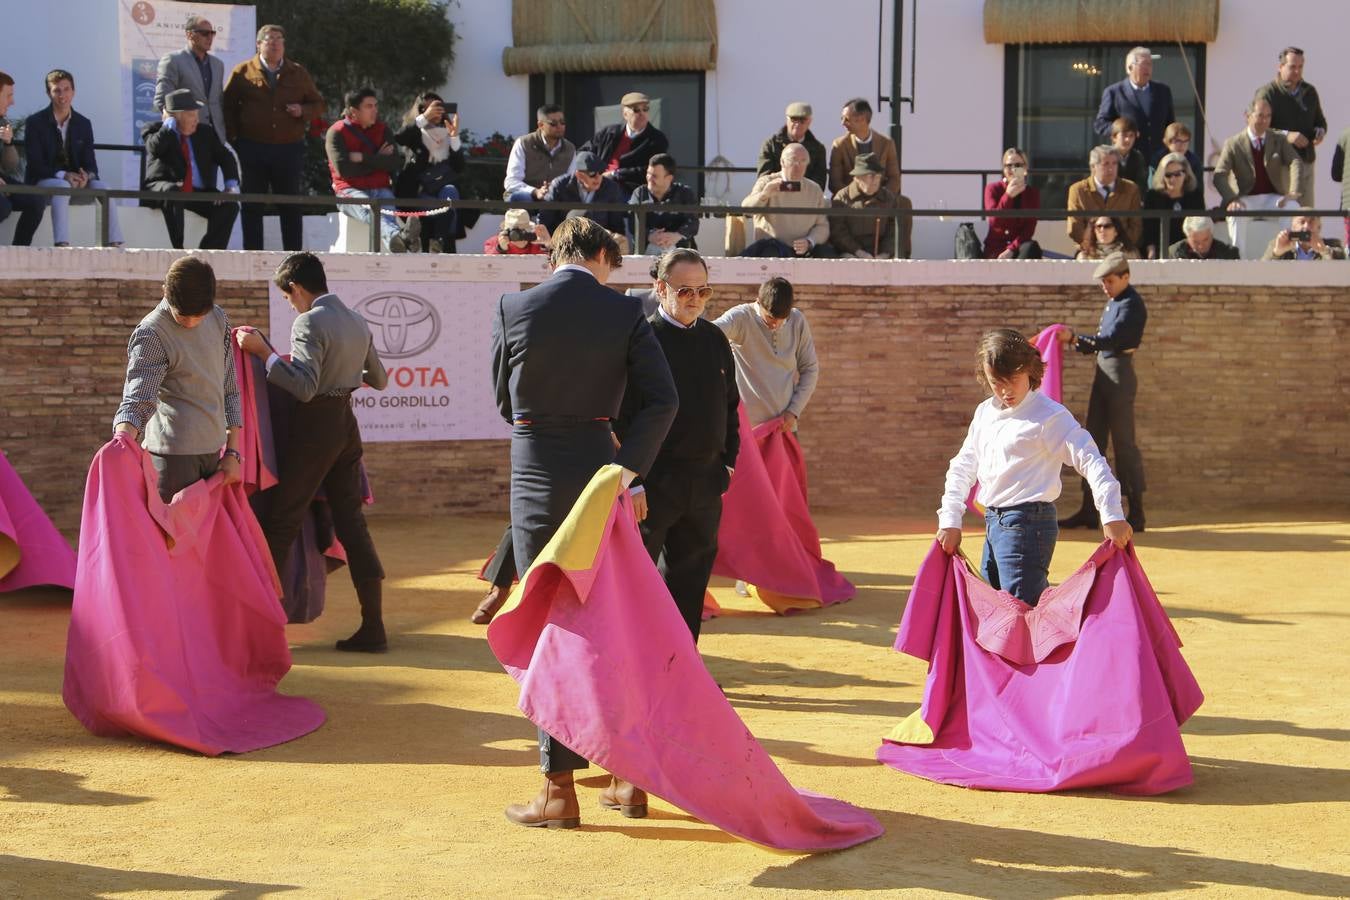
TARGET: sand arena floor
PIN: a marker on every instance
(401, 793)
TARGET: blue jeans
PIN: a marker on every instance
(446, 224)
(1018, 543)
(389, 224)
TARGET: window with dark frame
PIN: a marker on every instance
(1051, 96)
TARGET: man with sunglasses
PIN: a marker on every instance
(624, 150)
(679, 503)
(538, 157)
(196, 69)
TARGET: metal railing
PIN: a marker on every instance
(101, 197)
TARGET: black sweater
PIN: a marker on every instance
(706, 427)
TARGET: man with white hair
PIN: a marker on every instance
(790, 234)
(1137, 96)
(1257, 169)
(1200, 242)
(1102, 193)
(1302, 240)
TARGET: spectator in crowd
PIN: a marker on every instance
(1302, 240)
(1257, 169)
(431, 137)
(9, 156)
(790, 235)
(182, 158)
(624, 150)
(648, 297)
(1011, 238)
(1133, 166)
(1338, 173)
(1147, 102)
(1296, 112)
(859, 138)
(665, 230)
(797, 130)
(776, 365)
(1104, 191)
(538, 157)
(871, 237)
(59, 143)
(587, 184)
(1106, 236)
(1177, 139)
(1200, 242)
(269, 102)
(518, 237)
(1174, 187)
(195, 69)
(361, 159)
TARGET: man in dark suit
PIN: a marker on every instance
(60, 147)
(332, 354)
(562, 354)
(1138, 97)
(197, 70)
(183, 158)
(624, 150)
(587, 185)
(679, 503)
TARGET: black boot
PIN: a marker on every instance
(1135, 517)
(370, 637)
(1086, 517)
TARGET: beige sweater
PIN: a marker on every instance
(790, 227)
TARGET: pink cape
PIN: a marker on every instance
(606, 664)
(175, 631)
(1052, 384)
(1088, 689)
(767, 538)
(32, 551)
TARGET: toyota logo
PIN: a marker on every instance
(401, 325)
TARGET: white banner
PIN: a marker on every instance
(436, 343)
(150, 29)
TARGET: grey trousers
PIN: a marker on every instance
(178, 470)
(1110, 417)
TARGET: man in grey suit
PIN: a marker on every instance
(197, 70)
(332, 354)
(563, 353)
(1257, 169)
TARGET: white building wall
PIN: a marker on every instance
(957, 121)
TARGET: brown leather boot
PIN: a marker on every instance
(370, 637)
(626, 797)
(555, 807)
(489, 607)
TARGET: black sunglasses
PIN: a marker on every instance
(203, 32)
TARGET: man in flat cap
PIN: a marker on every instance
(1110, 411)
(796, 130)
(624, 150)
(182, 159)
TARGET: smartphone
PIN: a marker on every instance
(451, 108)
(1019, 172)
(791, 186)
(1300, 235)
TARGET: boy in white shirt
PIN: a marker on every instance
(1017, 441)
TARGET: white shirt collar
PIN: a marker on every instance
(1252, 138)
(574, 267)
(631, 133)
(667, 316)
(1101, 187)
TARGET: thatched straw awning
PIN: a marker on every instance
(611, 36)
(1099, 21)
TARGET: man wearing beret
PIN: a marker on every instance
(1110, 411)
(182, 158)
(624, 150)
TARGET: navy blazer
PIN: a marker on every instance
(165, 167)
(42, 143)
(1119, 99)
(563, 352)
(1121, 327)
(566, 189)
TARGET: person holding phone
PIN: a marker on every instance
(1011, 238)
(792, 234)
(430, 134)
(518, 237)
(1302, 240)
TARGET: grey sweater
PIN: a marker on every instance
(776, 370)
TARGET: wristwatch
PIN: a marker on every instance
(230, 451)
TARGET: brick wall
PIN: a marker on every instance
(1243, 392)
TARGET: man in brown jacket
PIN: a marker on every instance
(863, 237)
(859, 138)
(269, 102)
(1104, 191)
(1257, 169)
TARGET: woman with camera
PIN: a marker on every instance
(1174, 187)
(1011, 238)
(519, 236)
(431, 134)
(1104, 237)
